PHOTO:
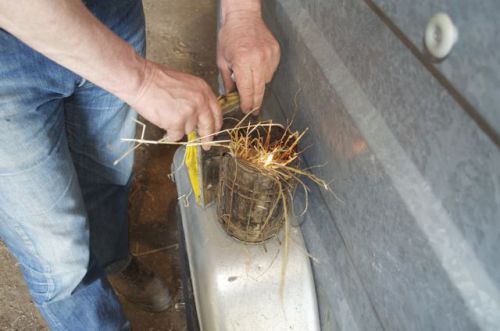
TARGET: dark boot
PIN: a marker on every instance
(139, 285)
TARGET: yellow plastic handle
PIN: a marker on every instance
(227, 104)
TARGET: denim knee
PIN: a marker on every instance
(44, 223)
(52, 267)
(52, 283)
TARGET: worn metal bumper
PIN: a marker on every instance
(236, 286)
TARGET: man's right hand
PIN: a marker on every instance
(177, 102)
(66, 32)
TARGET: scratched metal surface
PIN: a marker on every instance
(473, 66)
(240, 286)
(412, 241)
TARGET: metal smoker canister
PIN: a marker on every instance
(249, 204)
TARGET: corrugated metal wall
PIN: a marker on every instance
(411, 238)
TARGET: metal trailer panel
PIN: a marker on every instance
(410, 240)
(240, 286)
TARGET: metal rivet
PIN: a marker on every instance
(440, 35)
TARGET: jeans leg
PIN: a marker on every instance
(95, 122)
(43, 222)
(43, 219)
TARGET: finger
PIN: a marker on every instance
(225, 73)
(271, 65)
(267, 64)
(244, 82)
(205, 128)
(216, 111)
(259, 89)
(190, 126)
(273, 62)
(269, 73)
(271, 69)
(276, 56)
(174, 134)
(211, 106)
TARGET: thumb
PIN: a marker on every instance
(229, 84)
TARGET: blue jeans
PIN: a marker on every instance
(63, 204)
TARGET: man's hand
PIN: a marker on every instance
(248, 49)
(177, 102)
(66, 32)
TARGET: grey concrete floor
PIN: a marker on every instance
(181, 35)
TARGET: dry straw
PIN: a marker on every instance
(257, 145)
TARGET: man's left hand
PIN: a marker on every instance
(247, 48)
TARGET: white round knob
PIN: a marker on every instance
(440, 35)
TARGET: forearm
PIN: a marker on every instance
(234, 6)
(67, 33)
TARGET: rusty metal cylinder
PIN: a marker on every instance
(250, 207)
